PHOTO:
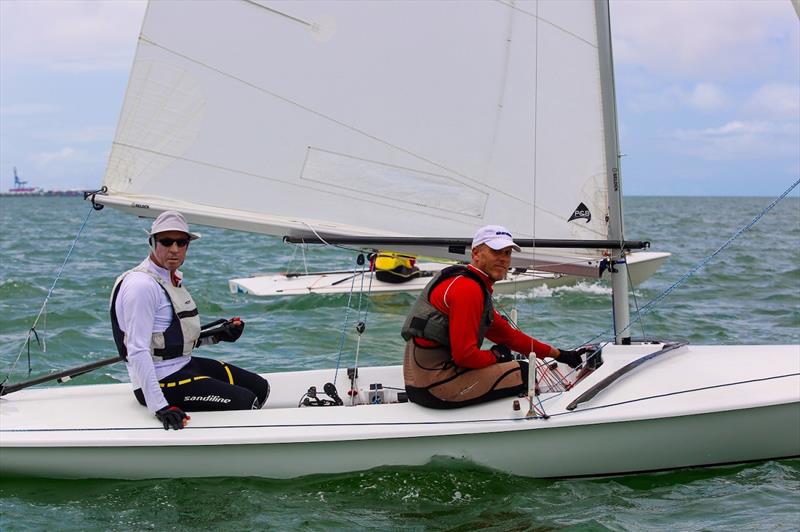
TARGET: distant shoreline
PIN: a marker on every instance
(43, 193)
(80, 193)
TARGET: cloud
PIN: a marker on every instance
(64, 155)
(737, 140)
(706, 97)
(28, 109)
(712, 40)
(73, 36)
(703, 96)
(81, 135)
(778, 100)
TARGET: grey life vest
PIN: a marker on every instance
(426, 321)
(179, 338)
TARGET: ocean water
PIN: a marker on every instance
(749, 293)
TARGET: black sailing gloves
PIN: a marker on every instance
(502, 353)
(221, 331)
(573, 358)
(172, 417)
(230, 331)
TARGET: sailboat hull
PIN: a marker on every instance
(590, 450)
(641, 266)
(697, 406)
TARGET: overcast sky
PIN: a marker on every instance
(708, 92)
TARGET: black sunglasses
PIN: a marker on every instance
(167, 242)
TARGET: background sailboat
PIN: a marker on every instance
(641, 266)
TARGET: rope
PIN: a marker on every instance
(633, 293)
(361, 326)
(356, 273)
(291, 259)
(32, 330)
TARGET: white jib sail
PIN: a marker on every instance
(426, 119)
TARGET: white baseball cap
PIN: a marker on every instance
(171, 221)
(496, 237)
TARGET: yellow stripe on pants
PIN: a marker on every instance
(184, 381)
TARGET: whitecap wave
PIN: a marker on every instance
(583, 287)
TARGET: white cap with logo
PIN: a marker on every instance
(496, 237)
(171, 221)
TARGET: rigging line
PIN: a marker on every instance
(563, 379)
(305, 260)
(320, 114)
(32, 330)
(344, 322)
(368, 267)
(532, 367)
(338, 246)
(633, 293)
(315, 232)
(361, 325)
(291, 259)
(650, 307)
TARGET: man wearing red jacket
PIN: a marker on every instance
(444, 365)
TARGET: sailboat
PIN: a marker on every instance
(641, 266)
(403, 127)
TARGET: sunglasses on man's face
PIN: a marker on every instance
(167, 242)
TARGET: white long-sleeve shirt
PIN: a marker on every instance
(143, 308)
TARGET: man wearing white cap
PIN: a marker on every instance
(156, 326)
(444, 365)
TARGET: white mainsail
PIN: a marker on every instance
(424, 119)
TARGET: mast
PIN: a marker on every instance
(619, 273)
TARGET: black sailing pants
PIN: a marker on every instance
(205, 384)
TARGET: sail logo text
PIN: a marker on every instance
(581, 213)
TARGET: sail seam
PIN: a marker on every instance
(145, 40)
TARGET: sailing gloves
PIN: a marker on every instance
(573, 358)
(221, 331)
(502, 353)
(172, 417)
(230, 331)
